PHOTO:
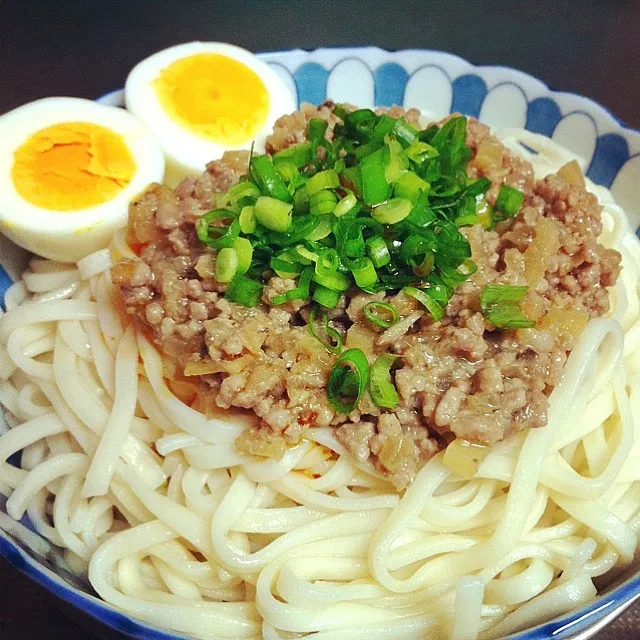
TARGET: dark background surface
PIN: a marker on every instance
(77, 48)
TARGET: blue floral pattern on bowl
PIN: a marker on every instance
(438, 83)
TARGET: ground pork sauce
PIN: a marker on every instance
(456, 378)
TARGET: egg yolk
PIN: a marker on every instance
(215, 97)
(72, 166)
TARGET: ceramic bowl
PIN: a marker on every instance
(438, 83)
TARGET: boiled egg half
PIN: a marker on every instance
(68, 170)
(203, 98)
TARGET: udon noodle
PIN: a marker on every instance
(172, 525)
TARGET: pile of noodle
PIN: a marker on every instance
(151, 501)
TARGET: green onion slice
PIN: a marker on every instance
(375, 188)
(327, 262)
(218, 236)
(273, 214)
(376, 311)
(226, 264)
(433, 307)
(244, 291)
(301, 292)
(500, 304)
(244, 253)
(509, 200)
(381, 387)
(364, 273)
(392, 211)
(284, 268)
(300, 155)
(266, 177)
(345, 205)
(327, 179)
(322, 202)
(247, 220)
(335, 281)
(348, 380)
(378, 251)
(410, 185)
(330, 338)
(326, 297)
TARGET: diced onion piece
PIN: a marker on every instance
(565, 323)
(396, 450)
(205, 267)
(538, 257)
(360, 337)
(489, 154)
(462, 458)
(572, 173)
(259, 442)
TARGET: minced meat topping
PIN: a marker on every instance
(456, 378)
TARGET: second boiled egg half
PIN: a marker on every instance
(203, 98)
(68, 170)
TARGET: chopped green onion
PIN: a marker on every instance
(301, 292)
(466, 221)
(304, 255)
(392, 211)
(216, 236)
(326, 297)
(323, 180)
(419, 151)
(509, 200)
(415, 249)
(405, 133)
(375, 188)
(384, 126)
(244, 291)
(226, 264)
(301, 201)
(335, 281)
(367, 149)
(409, 186)
(484, 211)
(290, 174)
(500, 304)
(433, 307)
(323, 202)
(345, 205)
(352, 179)
(273, 214)
(300, 155)
(426, 266)
(375, 312)
(316, 129)
(404, 194)
(327, 262)
(244, 253)
(364, 273)
(247, 220)
(301, 227)
(360, 123)
(284, 268)
(333, 340)
(242, 190)
(383, 392)
(479, 187)
(266, 177)
(348, 380)
(396, 161)
(378, 251)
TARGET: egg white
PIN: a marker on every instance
(186, 152)
(61, 235)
